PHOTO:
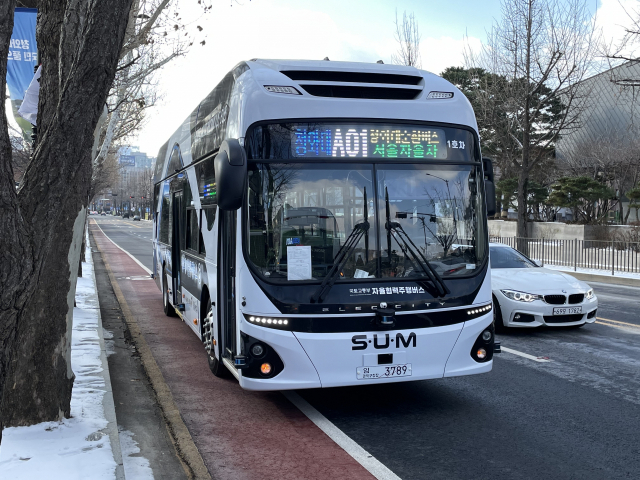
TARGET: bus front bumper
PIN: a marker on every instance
(313, 360)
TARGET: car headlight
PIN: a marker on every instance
(589, 295)
(520, 296)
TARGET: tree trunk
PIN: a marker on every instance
(523, 174)
(522, 227)
(11, 224)
(79, 43)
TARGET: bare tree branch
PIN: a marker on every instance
(407, 35)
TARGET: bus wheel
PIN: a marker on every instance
(216, 366)
(168, 308)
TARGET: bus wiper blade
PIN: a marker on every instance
(340, 259)
(418, 257)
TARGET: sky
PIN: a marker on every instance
(347, 30)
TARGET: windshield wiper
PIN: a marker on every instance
(418, 258)
(340, 259)
(410, 248)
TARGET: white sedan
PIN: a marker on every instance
(527, 295)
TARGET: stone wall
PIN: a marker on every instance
(555, 230)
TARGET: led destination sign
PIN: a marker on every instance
(370, 141)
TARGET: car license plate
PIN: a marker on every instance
(383, 371)
(566, 310)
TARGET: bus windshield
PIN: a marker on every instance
(301, 216)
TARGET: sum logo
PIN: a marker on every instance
(360, 342)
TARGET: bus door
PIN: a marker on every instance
(177, 240)
(226, 283)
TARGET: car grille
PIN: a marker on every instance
(576, 298)
(555, 299)
(562, 318)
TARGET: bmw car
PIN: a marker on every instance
(526, 295)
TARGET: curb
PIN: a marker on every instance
(610, 279)
(107, 400)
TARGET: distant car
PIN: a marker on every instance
(125, 215)
(103, 213)
(526, 295)
(137, 217)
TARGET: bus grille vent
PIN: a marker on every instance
(383, 86)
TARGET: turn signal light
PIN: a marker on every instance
(440, 95)
(481, 353)
(279, 89)
(265, 368)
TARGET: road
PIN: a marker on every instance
(571, 410)
(134, 237)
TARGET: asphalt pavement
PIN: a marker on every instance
(134, 237)
(559, 404)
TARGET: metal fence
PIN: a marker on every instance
(613, 256)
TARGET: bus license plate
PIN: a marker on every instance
(566, 310)
(383, 371)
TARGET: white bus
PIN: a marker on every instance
(321, 224)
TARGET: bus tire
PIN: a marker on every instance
(168, 308)
(215, 365)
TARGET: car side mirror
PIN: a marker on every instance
(231, 173)
(489, 186)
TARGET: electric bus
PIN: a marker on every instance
(321, 224)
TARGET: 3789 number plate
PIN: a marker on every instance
(383, 371)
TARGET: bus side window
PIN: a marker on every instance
(209, 216)
(201, 247)
(164, 216)
(156, 199)
(192, 230)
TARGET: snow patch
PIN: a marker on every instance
(78, 447)
(109, 345)
(135, 466)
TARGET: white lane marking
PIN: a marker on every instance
(525, 355)
(359, 454)
(132, 257)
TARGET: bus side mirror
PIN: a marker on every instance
(489, 186)
(490, 192)
(231, 172)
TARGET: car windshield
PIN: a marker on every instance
(507, 257)
(301, 215)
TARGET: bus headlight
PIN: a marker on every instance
(520, 296)
(257, 350)
(282, 323)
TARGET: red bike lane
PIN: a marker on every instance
(239, 434)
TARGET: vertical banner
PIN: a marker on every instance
(23, 56)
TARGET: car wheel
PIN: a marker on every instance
(497, 316)
(169, 311)
(216, 366)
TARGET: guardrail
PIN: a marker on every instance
(613, 255)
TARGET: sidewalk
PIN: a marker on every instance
(86, 445)
(602, 276)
